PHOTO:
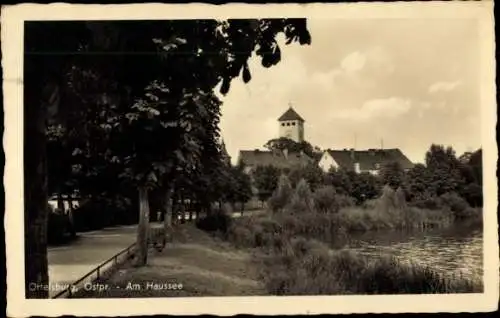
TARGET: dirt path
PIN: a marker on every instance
(204, 265)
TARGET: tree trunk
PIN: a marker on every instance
(142, 230)
(167, 219)
(183, 210)
(242, 208)
(209, 209)
(36, 199)
(60, 203)
(197, 211)
(70, 216)
(175, 208)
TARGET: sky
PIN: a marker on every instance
(400, 83)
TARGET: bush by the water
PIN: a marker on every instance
(327, 200)
(305, 267)
(326, 216)
(297, 263)
(454, 204)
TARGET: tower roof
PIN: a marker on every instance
(290, 114)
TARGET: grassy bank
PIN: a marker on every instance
(296, 265)
(263, 230)
(290, 241)
(304, 267)
(193, 264)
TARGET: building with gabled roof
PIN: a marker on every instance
(291, 125)
(251, 159)
(370, 160)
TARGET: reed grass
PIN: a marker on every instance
(296, 261)
(305, 267)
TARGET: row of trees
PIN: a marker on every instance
(122, 107)
(443, 172)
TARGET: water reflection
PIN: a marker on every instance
(457, 250)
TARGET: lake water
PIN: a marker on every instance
(453, 250)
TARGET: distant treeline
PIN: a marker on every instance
(423, 185)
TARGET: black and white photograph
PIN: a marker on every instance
(250, 159)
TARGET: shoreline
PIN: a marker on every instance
(206, 264)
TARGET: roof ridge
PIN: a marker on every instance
(290, 114)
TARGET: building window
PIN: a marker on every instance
(283, 124)
(288, 124)
(293, 124)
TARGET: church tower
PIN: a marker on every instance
(291, 125)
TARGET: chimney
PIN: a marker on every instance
(285, 153)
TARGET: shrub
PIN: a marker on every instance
(455, 203)
(400, 199)
(241, 236)
(302, 200)
(325, 199)
(303, 191)
(271, 225)
(260, 231)
(473, 194)
(425, 218)
(344, 201)
(367, 219)
(358, 219)
(369, 204)
(217, 222)
(263, 238)
(469, 213)
(282, 195)
(291, 224)
(431, 203)
(387, 200)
